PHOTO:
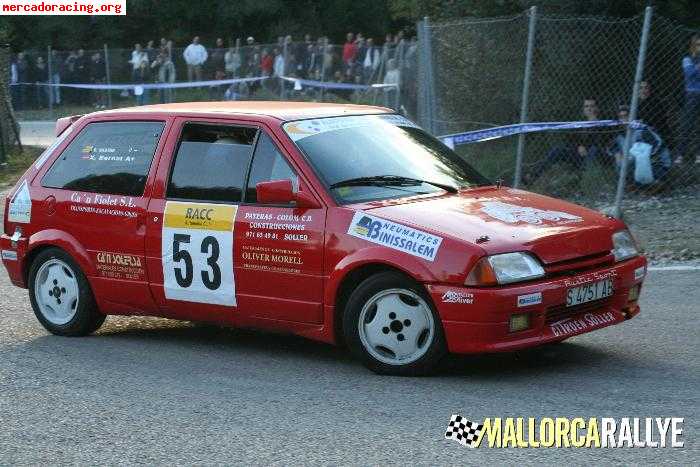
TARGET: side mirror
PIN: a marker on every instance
(282, 192)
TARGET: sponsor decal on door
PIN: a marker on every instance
(197, 252)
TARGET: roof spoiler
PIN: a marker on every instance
(63, 123)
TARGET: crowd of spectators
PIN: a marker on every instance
(358, 61)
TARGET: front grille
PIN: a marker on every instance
(559, 312)
(580, 265)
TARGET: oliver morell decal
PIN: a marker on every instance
(396, 236)
(512, 214)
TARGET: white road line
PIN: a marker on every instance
(673, 268)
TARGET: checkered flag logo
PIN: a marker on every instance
(463, 431)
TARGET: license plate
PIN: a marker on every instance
(589, 292)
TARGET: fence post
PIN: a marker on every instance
(525, 98)
(644, 41)
(283, 91)
(324, 46)
(426, 101)
(49, 81)
(108, 76)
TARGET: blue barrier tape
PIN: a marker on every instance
(118, 87)
(456, 139)
(333, 85)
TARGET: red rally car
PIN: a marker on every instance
(340, 223)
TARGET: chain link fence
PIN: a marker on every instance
(480, 73)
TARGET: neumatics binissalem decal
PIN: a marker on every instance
(396, 236)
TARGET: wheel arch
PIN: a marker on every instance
(54, 238)
(349, 274)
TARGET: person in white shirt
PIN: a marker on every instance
(195, 55)
(138, 55)
(392, 76)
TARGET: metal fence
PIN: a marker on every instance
(480, 73)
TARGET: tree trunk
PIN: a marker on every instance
(9, 129)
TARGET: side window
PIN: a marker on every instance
(107, 157)
(268, 164)
(211, 163)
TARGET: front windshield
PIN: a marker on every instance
(372, 157)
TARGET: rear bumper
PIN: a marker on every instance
(13, 256)
(478, 319)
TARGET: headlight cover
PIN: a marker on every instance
(624, 246)
(515, 267)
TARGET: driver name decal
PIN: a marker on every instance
(396, 236)
(512, 214)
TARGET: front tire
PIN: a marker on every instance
(391, 325)
(61, 296)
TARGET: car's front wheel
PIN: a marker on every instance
(390, 323)
(61, 296)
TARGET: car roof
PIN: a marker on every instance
(285, 111)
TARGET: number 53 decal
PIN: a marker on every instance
(197, 248)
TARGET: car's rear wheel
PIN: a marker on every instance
(61, 296)
(391, 325)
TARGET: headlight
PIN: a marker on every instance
(624, 246)
(505, 269)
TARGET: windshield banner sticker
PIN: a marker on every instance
(20, 209)
(395, 236)
(304, 128)
(512, 214)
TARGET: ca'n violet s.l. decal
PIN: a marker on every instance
(395, 236)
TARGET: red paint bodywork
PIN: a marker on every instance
(305, 299)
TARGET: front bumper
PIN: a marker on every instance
(478, 319)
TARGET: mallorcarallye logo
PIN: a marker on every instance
(562, 432)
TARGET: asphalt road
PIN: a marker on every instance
(157, 391)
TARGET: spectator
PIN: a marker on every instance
(195, 56)
(649, 159)
(393, 76)
(143, 76)
(328, 60)
(70, 76)
(81, 74)
(150, 52)
(218, 63)
(137, 56)
(289, 58)
(41, 76)
(98, 76)
(56, 73)
(278, 64)
(232, 60)
(691, 107)
(266, 63)
(653, 111)
(165, 74)
(164, 46)
(14, 87)
(22, 77)
(581, 148)
(349, 51)
(247, 65)
(371, 61)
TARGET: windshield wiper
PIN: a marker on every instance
(390, 180)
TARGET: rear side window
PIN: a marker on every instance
(108, 157)
(211, 163)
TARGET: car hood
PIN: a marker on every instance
(502, 220)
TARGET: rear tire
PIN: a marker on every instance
(61, 296)
(391, 325)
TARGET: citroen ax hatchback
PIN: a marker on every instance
(340, 223)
